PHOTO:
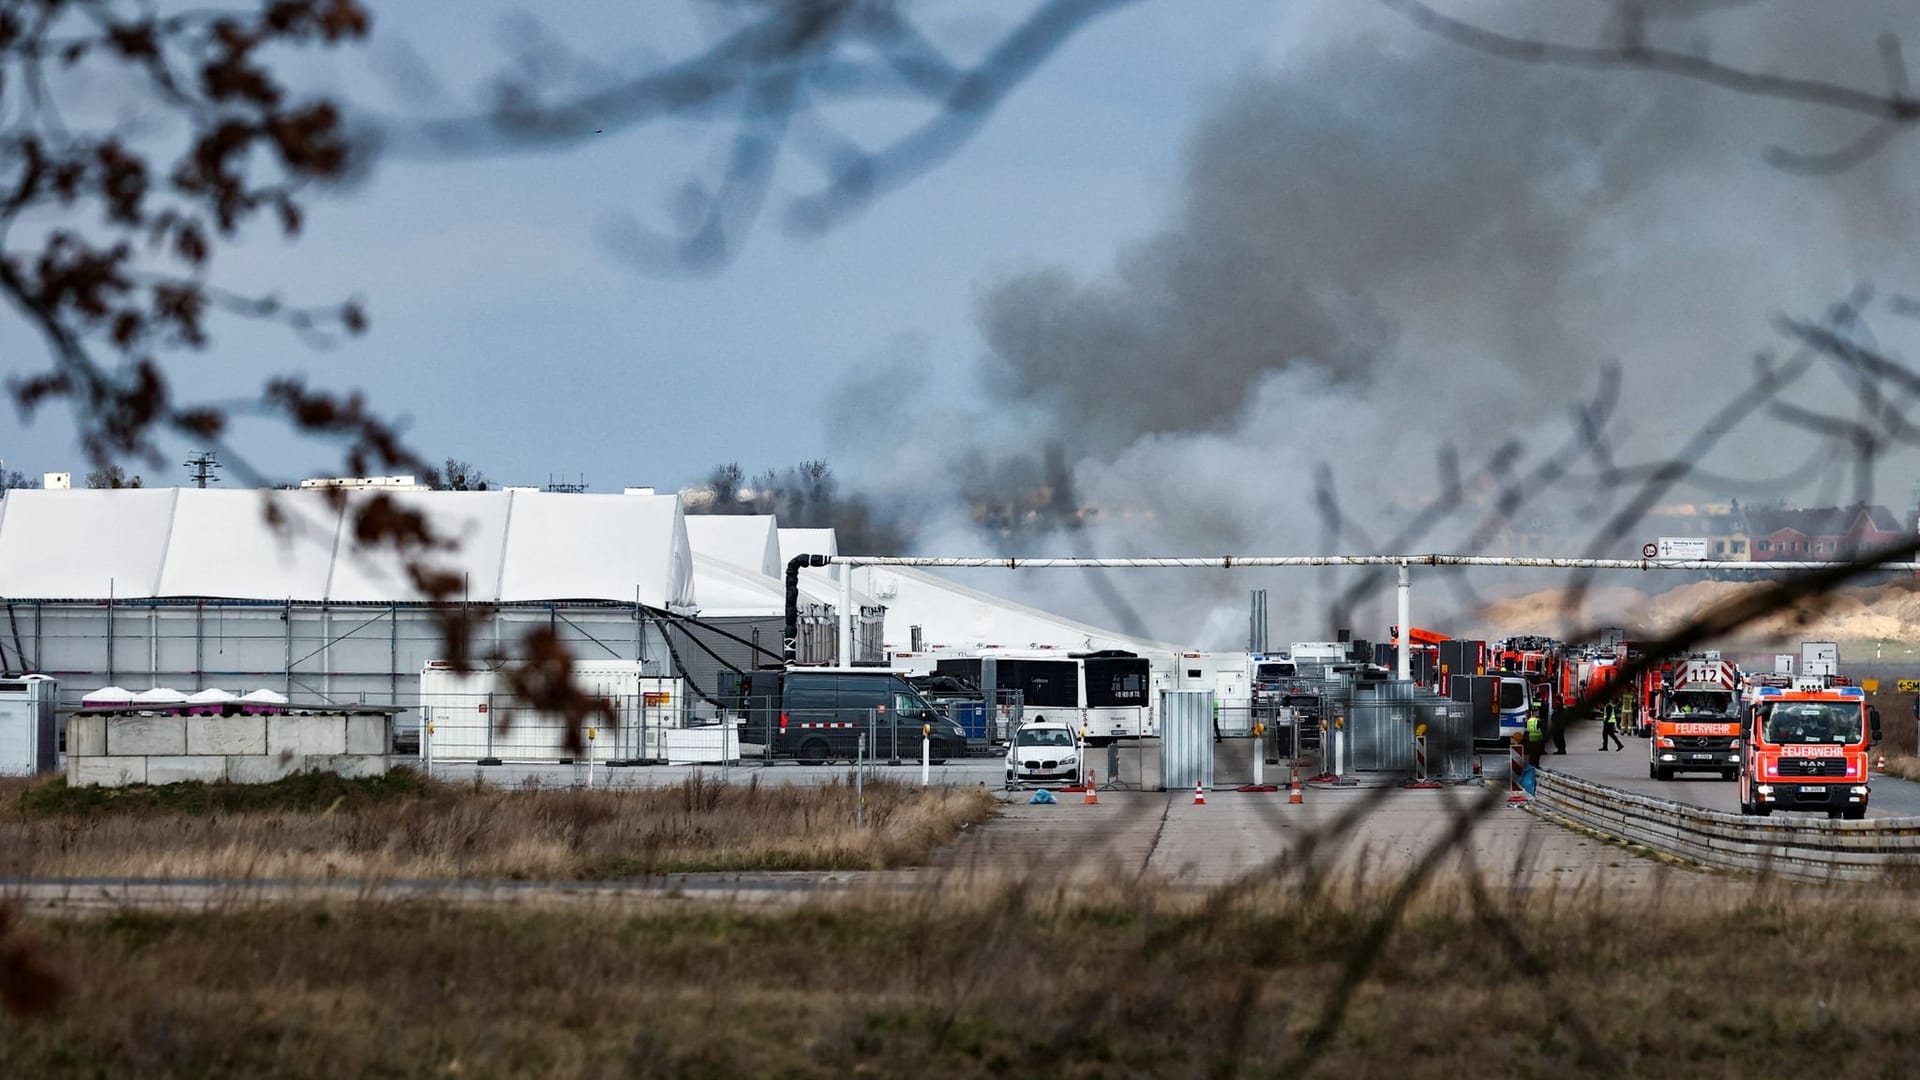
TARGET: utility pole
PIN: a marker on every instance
(203, 463)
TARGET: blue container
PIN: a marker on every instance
(971, 715)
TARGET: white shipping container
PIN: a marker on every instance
(475, 716)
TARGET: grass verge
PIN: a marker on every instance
(979, 982)
(403, 826)
(1903, 767)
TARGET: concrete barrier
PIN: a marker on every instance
(1805, 850)
(121, 746)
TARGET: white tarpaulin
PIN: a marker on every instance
(749, 541)
(186, 542)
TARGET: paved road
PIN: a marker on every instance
(1627, 769)
(1375, 834)
(1350, 834)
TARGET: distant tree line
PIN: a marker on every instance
(805, 496)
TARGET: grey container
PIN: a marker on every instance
(1186, 739)
(29, 726)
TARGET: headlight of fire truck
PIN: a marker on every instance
(1664, 743)
(1735, 744)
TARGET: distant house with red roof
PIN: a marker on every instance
(1834, 532)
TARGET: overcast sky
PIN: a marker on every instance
(507, 334)
(1214, 261)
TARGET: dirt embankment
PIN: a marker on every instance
(1862, 614)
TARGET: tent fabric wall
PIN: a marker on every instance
(751, 541)
(957, 617)
(185, 542)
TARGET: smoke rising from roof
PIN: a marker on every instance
(1386, 244)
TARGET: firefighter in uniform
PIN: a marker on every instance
(1557, 733)
(1610, 724)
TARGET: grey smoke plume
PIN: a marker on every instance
(1387, 243)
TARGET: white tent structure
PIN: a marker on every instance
(750, 541)
(740, 577)
(952, 618)
(810, 542)
(189, 588)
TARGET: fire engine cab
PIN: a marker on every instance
(1696, 719)
(1804, 747)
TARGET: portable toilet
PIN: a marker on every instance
(29, 725)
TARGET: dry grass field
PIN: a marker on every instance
(1127, 981)
(403, 827)
(1035, 972)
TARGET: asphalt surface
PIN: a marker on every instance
(1888, 797)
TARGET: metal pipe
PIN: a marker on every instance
(1403, 669)
(1236, 561)
(846, 657)
(286, 614)
(790, 629)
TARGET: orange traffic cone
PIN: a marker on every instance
(1199, 794)
(1092, 799)
(1882, 765)
(1294, 796)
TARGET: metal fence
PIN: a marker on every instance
(642, 728)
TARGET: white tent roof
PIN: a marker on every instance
(811, 542)
(83, 544)
(750, 541)
(178, 542)
(729, 591)
(953, 616)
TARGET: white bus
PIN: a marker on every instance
(1104, 693)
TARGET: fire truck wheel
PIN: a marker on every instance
(1660, 774)
(1855, 813)
(1730, 774)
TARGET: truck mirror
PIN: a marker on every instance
(1873, 722)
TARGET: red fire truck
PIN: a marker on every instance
(1804, 747)
(1696, 719)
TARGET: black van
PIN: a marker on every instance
(818, 715)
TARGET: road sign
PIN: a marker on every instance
(1648, 551)
(1683, 547)
(1910, 686)
(1819, 658)
(1871, 686)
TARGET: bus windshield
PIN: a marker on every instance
(1116, 682)
(1813, 722)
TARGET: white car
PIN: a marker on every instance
(1044, 753)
